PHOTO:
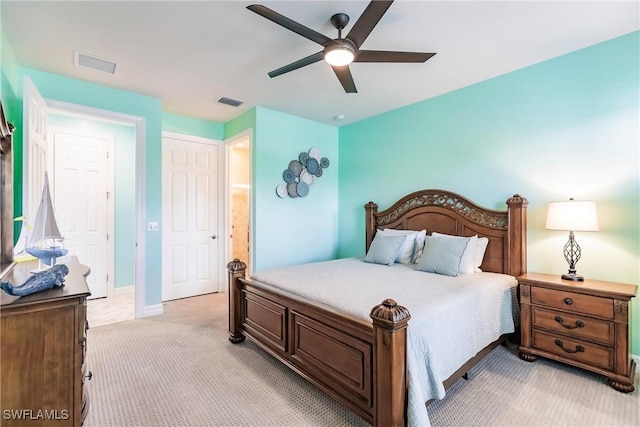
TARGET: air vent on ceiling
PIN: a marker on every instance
(94, 63)
(229, 101)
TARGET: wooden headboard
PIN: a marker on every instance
(446, 212)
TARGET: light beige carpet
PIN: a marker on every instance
(179, 369)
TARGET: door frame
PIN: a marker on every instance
(221, 265)
(139, 123)
(109, 146)
(247, 136)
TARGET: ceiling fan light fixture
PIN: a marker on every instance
(339, 56)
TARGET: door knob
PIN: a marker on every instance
(214, 237)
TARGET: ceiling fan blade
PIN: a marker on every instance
(367, 21)
(298, 64)
(344, 75)
(290, 24)
(391, 56)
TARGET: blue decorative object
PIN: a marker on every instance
(47, 255)
(301, 174)
(303, 189)
(312, 166)
(41, 243)
(288, 176)
(40, 281)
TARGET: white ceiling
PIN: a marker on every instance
(189, 54)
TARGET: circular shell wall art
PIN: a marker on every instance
(302, 174)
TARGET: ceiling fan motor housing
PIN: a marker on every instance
(340, 20)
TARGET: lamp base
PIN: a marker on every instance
(573, 277)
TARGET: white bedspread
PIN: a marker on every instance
(452, 318)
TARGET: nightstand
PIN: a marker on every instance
(584, 324)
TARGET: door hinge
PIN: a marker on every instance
(108, 194)
(107, 278)
(107, 236)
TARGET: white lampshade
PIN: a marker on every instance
(572, 215)
(339, 56)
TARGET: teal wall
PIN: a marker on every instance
(124, 189)
(190, 126)
(567, 127)
(9, 77)
(240, 124)
(289, 231)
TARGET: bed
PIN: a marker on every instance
(363, 362)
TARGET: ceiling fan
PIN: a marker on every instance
(340, 52)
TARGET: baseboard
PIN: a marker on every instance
(152, 310)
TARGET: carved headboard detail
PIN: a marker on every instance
(446, 212)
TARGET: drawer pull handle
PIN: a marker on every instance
(568, 301)
(579, 323)
(579, 348)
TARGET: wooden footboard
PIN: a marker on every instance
(361, 364)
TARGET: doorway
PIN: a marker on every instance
(125, 249)
(95, 206)
(239, 199)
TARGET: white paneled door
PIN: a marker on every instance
(190, 243)
(35, 148)
(82, 200)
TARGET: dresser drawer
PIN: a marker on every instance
(581, 351)
(574, 325)
(580, 303)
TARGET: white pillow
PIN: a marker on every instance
(384, 249)
(411, 249)
(481, 248)
(443, 255)
(468, 260)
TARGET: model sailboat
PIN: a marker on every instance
(44, 241)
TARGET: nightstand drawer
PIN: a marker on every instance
(583, 327)
(581, 351)
(580, 303)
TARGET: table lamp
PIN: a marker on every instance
(572, 215)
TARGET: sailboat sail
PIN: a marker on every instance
(21, 243)
(41, 242)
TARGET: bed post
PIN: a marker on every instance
(517, 235)
(370, 228)
(237, 270)
(390, 363)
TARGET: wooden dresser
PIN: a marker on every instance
(43, 347)
(585, 324)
